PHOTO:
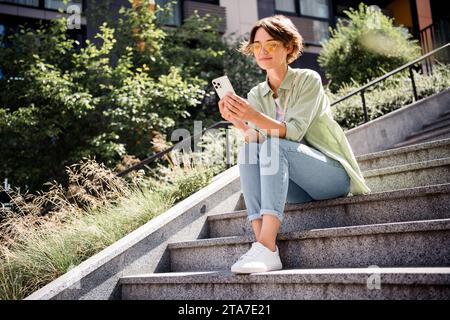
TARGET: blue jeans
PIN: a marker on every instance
(280, 170)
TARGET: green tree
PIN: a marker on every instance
(62, 101)
(60, 104)
(365, 47)
(196, 47)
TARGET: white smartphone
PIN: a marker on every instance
(222, 86)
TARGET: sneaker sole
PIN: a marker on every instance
(254, 270)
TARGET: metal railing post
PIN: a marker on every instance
(228, 147)
(366, 117)
(6, 185)
(411, 75)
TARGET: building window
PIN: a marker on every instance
(30, 3)
(285, 5)
(209, 1)
(171, 20)
(316, 11)
(320, 29)
(46, 4)
(60, 4)
(308, 8)
(315, 8)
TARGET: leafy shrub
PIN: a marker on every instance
(365, 47)
(60, 104)
(387, 96)
(120, 94)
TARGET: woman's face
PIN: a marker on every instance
(270, 53)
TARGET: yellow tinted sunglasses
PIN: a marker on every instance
(269, 46)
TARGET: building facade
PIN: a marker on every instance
(31, 12)
(312, 17)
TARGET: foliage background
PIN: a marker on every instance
(364, 46)
(121, 94)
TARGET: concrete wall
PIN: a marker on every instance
(386, 131)
(241, 16)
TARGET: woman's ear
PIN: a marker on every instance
(290, 48)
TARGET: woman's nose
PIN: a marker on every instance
(263, 52)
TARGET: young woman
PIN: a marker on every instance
(294, 149)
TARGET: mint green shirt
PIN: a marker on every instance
(308, 116)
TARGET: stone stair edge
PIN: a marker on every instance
(416, 147)
(439, 124)
(446, 113)
(423, 137)
(336, 232)
(426, 132)
(407, 167)
(443, 116)
(390, 275)
(376, 196)
(402, 109)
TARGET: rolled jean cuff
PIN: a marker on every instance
(253, 216)
(272, 212)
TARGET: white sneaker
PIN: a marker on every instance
(258, 259)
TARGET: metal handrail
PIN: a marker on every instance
(409, 65)
(217, 125)
(226, 124)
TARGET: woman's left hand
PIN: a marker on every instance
(239, 107)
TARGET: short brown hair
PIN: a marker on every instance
(280, 28)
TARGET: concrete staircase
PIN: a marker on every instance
(391, 244)
(437, 129)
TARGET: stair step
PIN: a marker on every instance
(351, 283)
(403, 155)
(442, 117)
(402, 244)
(440, 123)
(421, 203)
(444, 135)
(410, 175)
(445, 115)
(422, 137)
(437, 126)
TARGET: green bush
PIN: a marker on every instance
(387, 96)
(365, 47)
(119, 95)
(60, 104)
(197, 49)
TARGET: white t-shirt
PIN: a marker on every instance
(279, 110)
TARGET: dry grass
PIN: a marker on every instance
(47, 234)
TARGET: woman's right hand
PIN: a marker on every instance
(224, 112)
(228, 115)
